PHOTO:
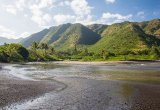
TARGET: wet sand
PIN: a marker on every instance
(14, 89)
(80, 94)
(69, 92)
(146, 97)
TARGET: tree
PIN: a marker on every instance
(45, 47)
(3, 57)
(34, 46)
(105, 54)
(52, 50)
(75, 41)
(155, 52)
(84, 52)
(13, 52)
(23, 52)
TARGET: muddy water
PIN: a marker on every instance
(91, 87)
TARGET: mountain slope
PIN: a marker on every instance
(124, 37)
(37, 37)
(98, 28)
(151, 27)
(64, 36)
(54, 33)
(6, 40)
(118, 38)
(76, 34)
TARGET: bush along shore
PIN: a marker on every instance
(43, 52)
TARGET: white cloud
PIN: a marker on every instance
(86, 21)
(20, 4)
(10, 9)
(82, 10)
(24, 34)
(39, 16)
(37, 9)
(110, 1)
(14, 7)
(110, 18)
(26, 15)
(6, 32)
(47, 18)
(60, 18)
(45, 4)
(80, 7)
(141, 14)
(63, 3)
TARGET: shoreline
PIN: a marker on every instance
(17, 90)
(95, 62)
(105, 62)
(84, 62)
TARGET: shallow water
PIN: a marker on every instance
(87, 86)
(52, 69)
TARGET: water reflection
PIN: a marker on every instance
(83, 85)
(138, 71)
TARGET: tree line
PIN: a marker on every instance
(44, 52)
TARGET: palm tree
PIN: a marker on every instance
(52, 50)
(34, 45)
(45, 47)
(75, 41)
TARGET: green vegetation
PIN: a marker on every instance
(42, 52)
(97, 42)
(151, 27)
(64, 37)
(13, 53)
(98, 28)
(37, 37)
(123, 39)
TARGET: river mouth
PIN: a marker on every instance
(115, 86)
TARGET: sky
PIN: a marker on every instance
(21, 18)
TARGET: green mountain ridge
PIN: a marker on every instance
(118, 38)
(124, 37)
(151, 27)
(98, 28)
(76, 34)
(54, 33)
(64, 36)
